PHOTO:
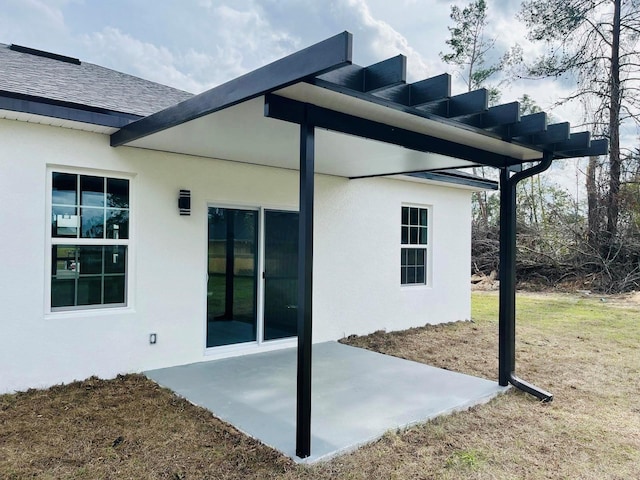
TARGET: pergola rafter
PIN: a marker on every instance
(432, 98)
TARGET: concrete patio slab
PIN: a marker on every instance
(357, 395)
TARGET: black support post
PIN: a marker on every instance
(507, 309)
(305, 290)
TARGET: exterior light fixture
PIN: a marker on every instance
(184, 202)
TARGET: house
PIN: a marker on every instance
(144, 227)
(102, 274)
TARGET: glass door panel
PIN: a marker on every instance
(232, 276)
(280, 274)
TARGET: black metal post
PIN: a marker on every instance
(507, 276)
(305, 290)
(507, 309)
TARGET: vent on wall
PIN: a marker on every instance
(42, 53)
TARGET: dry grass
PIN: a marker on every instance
(122, 428)
(586, 351)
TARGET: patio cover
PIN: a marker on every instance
(316, 112)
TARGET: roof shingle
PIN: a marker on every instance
(85, 84)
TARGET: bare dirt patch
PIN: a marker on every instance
(584, 350)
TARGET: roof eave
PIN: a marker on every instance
(64, 110)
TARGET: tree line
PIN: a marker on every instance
(592, 244)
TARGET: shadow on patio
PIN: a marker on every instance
(358, 395)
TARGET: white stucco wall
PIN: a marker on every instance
(356, 265)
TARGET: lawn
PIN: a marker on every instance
(586, 351)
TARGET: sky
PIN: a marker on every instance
(197, 44)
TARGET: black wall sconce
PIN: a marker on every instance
(184, 202)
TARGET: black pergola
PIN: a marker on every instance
(311, 111)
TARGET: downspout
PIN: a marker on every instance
(507, 312)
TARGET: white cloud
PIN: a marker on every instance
(246, 40)
(123, 52)
(48, 11)
(30, 22)
(383, 41)
(236, 40)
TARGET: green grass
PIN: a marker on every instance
(605, 318)
(465, 459)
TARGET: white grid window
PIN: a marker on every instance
(414, 239)
(89, 240)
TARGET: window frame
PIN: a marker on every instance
(78, 241)
(418, 246)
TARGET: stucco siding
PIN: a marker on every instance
(356, 266)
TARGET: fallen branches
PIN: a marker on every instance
(562, 255)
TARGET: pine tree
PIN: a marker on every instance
(596, 42)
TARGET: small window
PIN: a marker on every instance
(89, 240)
(414, 240)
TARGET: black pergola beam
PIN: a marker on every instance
(397, 94)
(577, 141)
(495, 119)
(309, 62)
(476, 101)
(438, 107)
(470, 103)
(380, 76)
(293, 111)
(350, 77)
(528, 125)
(436, 89)
(596, 148)
(431, 89)
(555, 133)
(500, 115)
(387, 73)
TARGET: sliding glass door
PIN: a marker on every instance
(233, 273)
(232, 276)
(280, 274)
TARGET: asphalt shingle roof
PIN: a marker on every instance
(85, 84)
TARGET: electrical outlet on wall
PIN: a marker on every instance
(153, 338)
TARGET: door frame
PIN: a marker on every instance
(259, 345)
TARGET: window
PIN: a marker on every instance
(413, 255)
(89, 240)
